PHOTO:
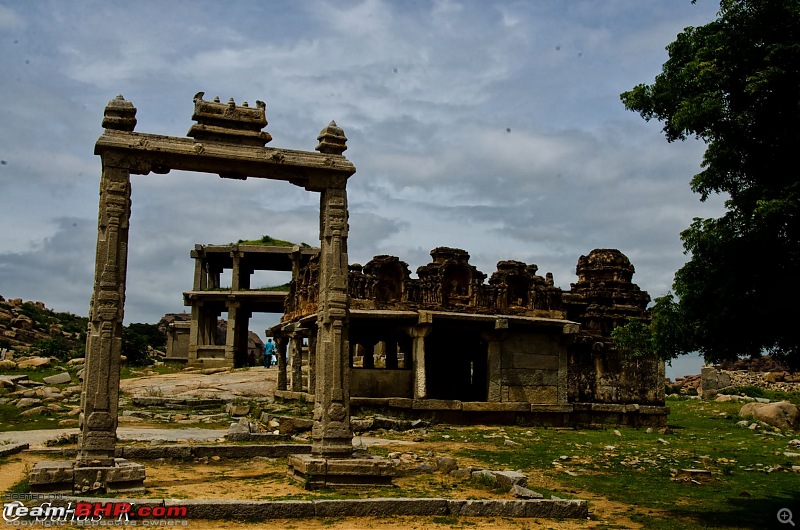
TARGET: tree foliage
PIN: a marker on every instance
(666, 335)
(57, 347)
(152, 335)
(735, 84)
(134, 347)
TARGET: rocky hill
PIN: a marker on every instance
(31, 325)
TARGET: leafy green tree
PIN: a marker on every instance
(56, 347)
(735, 84)
(151, 333)
(134, 347)
(666, 335)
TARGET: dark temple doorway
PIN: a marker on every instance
(456, 363)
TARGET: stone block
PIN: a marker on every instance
(530, 377)
(485, 508)
(509, 479)
(654, 410)
(27, 402)
(446, 464)
(461, 474)
(122, 476)
(317, 471)
(158, 451)
(58, 379)
(50, 473)
(544, 508)
(11, 449)
(237, 410)
(33, 362)
(495, 406)
(552, 408)
(521, 492)
(534, 360)
(401, 403)
(608, 407)
(532, 394)
(380, 507)
(437, 404)
(554, 509)
(243, 510)
(250, 451)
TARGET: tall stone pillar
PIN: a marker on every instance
(331, 434)
(494, 340)
(100, 393)
(280, 352)
(391, 353)
(233, 355)
(236, 271)
(418, 334)
(200, 275)
(331, 460)
(312, 364)
(296, 360)
(368, 359)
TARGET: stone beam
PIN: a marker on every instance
(145, 153)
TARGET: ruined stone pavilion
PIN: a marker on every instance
(452, 346)
(448, 344)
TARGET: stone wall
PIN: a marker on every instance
(606, 376)
(713, 380)
(530, 368)
(380, 382)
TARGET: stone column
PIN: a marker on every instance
(418, 334)
(236, 270)
(368, 359)
(312, 364)
(280, 352)
(494, 340)
(200, 276)
(391, 353)
(233, 356)
(195, 331)
(296, 360)
(100, 393)
(331, 434)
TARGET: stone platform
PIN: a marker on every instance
(251, 510)
(319, 472)
(65, 477)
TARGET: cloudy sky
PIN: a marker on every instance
(495, 127)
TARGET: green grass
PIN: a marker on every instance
(271, 241)
(638, 468)
(772, 395)
(38, 374)
(10, 420)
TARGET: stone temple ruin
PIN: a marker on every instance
(446, 345)
(451, 346)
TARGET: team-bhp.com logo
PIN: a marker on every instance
(93, 514)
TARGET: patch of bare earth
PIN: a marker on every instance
(265, 479)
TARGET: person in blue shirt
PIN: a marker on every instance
(269, 353)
